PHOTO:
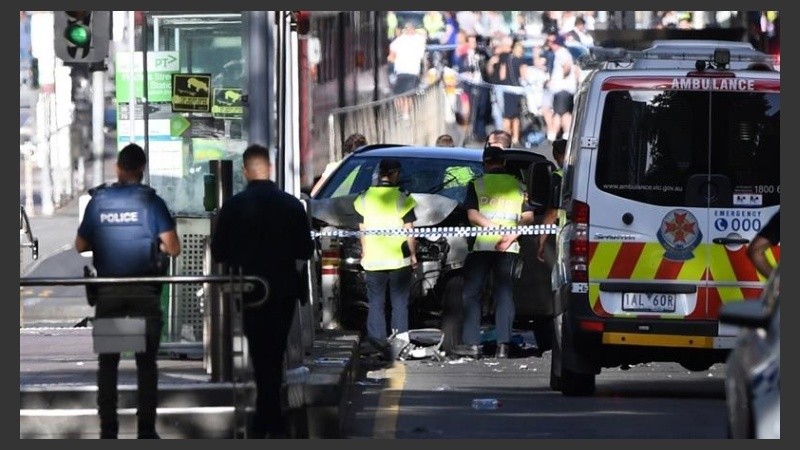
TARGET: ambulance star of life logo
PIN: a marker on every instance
(679, 234)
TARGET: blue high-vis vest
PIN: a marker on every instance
(124, 242)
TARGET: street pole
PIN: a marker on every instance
(98, 113)
(132, 75)
(43, 149)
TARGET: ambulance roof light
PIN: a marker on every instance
(721, 57)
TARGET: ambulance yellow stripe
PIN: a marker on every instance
(603, 259)
(722, 271)
(693, 269)
(648, 262)
(771, 257)
(729, 293)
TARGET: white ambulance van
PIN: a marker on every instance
(672, 167)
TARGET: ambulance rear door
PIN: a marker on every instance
(671, 157)
(743, 185)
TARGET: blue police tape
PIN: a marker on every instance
(440, 231)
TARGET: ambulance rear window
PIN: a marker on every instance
(663, 147)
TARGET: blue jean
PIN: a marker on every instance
(399, 282)
(476, 267)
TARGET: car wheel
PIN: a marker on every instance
(451, 312)
(740, 413)
(353, 305)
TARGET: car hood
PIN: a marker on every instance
(431, 209)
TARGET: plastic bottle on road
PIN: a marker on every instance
(486, 403)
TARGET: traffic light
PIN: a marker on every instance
(81, 37)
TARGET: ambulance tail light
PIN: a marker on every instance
(592, 325)
(579, 242)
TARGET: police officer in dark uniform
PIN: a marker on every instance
(129, 230)
(266, 232)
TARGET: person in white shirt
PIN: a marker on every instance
(406, 53)
(582, 33)
(563, 84)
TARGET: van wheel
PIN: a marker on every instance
(451, 312)
(556, 354)
(696, 364)
(569, 382)
(577, 384)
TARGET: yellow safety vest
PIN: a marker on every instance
(383, 207)
(500, 198)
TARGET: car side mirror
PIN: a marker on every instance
(543, 184)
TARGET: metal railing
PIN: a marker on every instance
(390, 121)
(226, 324)
(30, 242)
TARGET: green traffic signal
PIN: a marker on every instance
(78, 34)
(81, 37)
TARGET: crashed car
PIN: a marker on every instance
(437, 178)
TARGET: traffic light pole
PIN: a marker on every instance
(98, 116)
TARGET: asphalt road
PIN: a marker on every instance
(426, 399)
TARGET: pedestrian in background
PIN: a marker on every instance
(406, 53)
(127, 227)
(387, 260)
(445, 140)
(498, 138)
(350, 144)
(265, 232)
(563, 84)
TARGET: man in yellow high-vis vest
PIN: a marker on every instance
(494, 199)
(387, 259)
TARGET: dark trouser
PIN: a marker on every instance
(482, 111)
(406, 82)
(476, 267)
(399, 281)
(133, 301)
(267, 330)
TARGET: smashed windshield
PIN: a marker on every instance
(447, 177)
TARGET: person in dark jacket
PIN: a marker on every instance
(265, 232)
(126, 225)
